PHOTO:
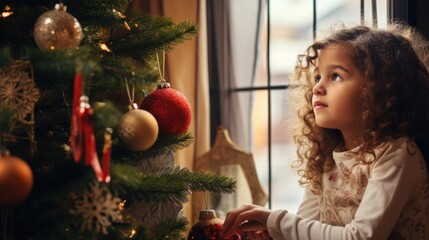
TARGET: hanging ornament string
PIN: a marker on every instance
(131, 94)
(161, 74)
(138, 129)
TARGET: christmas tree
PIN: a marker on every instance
(88, 125)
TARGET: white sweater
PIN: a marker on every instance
(388, 199)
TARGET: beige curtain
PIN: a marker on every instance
(187, 71)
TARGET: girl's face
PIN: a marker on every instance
(339, 84)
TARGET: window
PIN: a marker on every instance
(253, 106)
(291, 31)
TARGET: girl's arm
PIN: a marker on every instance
(309, 207)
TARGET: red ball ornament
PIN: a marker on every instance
(207, 227)
(16, 180)
(170, 108)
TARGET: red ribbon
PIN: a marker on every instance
(107, 149)
(82, 131)
(91, 157)
(76, 128)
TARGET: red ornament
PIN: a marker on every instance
(170, 108)
(207, 227)
(16, 180)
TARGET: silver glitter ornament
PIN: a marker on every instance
(57, 29)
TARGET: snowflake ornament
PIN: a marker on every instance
(98, 208)
(18, 90)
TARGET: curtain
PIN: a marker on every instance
(186, 70)
(234, 49)
(234, 35)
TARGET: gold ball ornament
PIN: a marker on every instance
(57, 29)
(16, 180)
(138, 130)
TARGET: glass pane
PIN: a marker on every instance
(260, 136)
(291, 31)
(286, 192)
(292, 27)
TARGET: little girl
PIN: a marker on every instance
(362, 145)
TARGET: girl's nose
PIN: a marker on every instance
(319, 89)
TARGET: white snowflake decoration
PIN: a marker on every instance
(98, 208)
(18, 90)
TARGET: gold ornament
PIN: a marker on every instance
(138, 130)
(57, 29)
(16, 180)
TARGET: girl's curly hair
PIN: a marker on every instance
(394, 102)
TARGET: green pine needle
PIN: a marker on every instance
(168, 184)
(6, 118)
(163, 144)
(170, 229)
(5, 57)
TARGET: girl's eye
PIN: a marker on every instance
(317, 78)
(336, 77)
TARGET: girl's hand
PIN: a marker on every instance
(249, 220)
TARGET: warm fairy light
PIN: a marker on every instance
(7, 12)
(121, 205)
(118, 13)
(133, 233)
(127, 26)
(104, 47)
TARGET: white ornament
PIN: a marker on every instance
(18, 90)
(98, 208)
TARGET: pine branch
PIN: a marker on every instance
(5, 57)
(151, 187)
(118, 69)
(97, 12)
(6, 117)
(169, 184)
(106, 115)
(201, 181)
(162, 145)
(147, 42)
(168, 143)
(62, 63)
(169, 229)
